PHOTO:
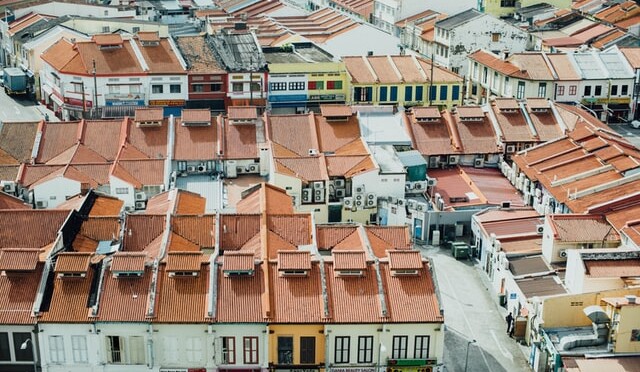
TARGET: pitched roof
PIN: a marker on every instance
(17, 259)
(124, 299)
(16, 141)
(72, 262)
(354, 299)
(296, 300)
(404, 260)
(11, 202)
(128, 262)
(238, 261)
(198, 55)
(349, 260)
(244, 292)
(582, 228)
(174, 292)
(184, 261)
(15, 222)
(612, 268)
(242, 113)
(69, 300)
(294, 260)
(240, 142)
(17, 294)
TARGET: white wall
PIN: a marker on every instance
(59, 9)
(34, 49)
(67, 331)
(575, 272)
(55, 191)
(240, 331)
(117, 183)
(172, 344)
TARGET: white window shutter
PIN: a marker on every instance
(136, 350)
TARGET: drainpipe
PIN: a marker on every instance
(150, 347)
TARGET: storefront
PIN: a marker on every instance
(411, 365)
(170, 106)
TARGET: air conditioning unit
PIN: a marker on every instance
(41, 204)
(232, 171)
(295, 199)
(202, 167)
(339, 183)
(307, 196)
(318, 185)
(434, 161)
(358, 203)
(359, 189)
(454, 159)
(340, 193)
(347, 202)
(421, 207)
(371, 203)
(540, 229)
(511, 148)
(318, 195)
(411, 204)
(409, 186)
(140, 205)
(563, 253)
(420, 185)
(191, 169)
(129, 208)
(140, 196)
(478, 163)
(431, 182)
(253, 168)
(313, 152)
(401, 202)
(9, 187)
(393, 200)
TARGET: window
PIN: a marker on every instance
(614, 90)
(587, 90)
(114, 89)
(598, 90)
(342, 349)
(114, 350)
(228, 350)
(495, 37)
(542, 90)
(197, 88)
(432, 92)
(216, 87)
(383, 94)
(136, 350)
(157, 88)
(255, 87)
(105, 29)
(77, 87)
(193, 350)
(295, 85)
(421, 349)
(408, 93)
(134, 88)
(455, 93)
(444, 92)
(56, 349)
(393, 94)
(277, 86)
(419, 93)
(334, 85)
(175, 88)
(560, 90)
(365, 349)
(495, 81)
(25, 355)
(507, 3)
(313, 85)
(250, 350)
(573, 90)
(624, 90)
(307, 350)
(520, 92)
(122, 190)
(485, 72)
(170, 354)
(237, 87)
(79, 349)
(285, 350)
(399, 349)
(5, 353)
(136, 29)
(362, 94)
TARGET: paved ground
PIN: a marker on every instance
(21, 109)
(472, 313)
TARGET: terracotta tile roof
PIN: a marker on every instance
(34, 173)
(431, 138)
(404, 260)
(411, 298)
(197, 229)
(477, 137)
(176, 243)
(236, 230)
(335, 110)
(148, 36)
(505, 214)
(141, 230)
(294, 260)
(244, 293)
(513, 227)
(161, 58)
(238, 261)
(495, 63)
(11, 202)
(56, 138)
(151, 141)
(16, 141)
(15, 223)
(17, 294)
(295, 133)
(294, 228)
(329, 236)
(612, 268)
(242, 113)
(386, 238)
(103, 137)
(307, 168)
(540, 286)
(124, 299)
(198, 55)
(184, 261)
(513, 125)
(546, 125)
(521, 246)
(69, 301)
(9, 172)
(105, 205)
(334, 135)
(240, 142)
(128, 262)
(276, 200)
(349, 260)
(563, 66)
(582, 228)
(17, 259)
(114, 61)
(196, 116)
(195, 143)
(492, 186)
(426, 112)
(142, 172)
(354, 299)
(72, 262)
(101, 228)
(520, 266)
(108, 39)
(296, 300)
(633, 56)
(358, 69)
(348, 166)
(175, 292)
(149, 114)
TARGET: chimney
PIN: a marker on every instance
(504, 54)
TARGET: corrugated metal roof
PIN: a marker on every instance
(458, 19)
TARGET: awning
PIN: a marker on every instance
(47, 90)
(57, 100)
(109, 112)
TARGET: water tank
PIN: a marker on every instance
(435, 238)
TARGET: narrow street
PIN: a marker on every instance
(21, 109)
(472, 313)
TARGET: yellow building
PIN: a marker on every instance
(302, 76)
(624, 313)
(296, 346)
(503, 8)
(401, 80)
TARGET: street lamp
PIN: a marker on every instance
(466, 359)
(24, 346)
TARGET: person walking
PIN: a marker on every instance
(509, 320)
